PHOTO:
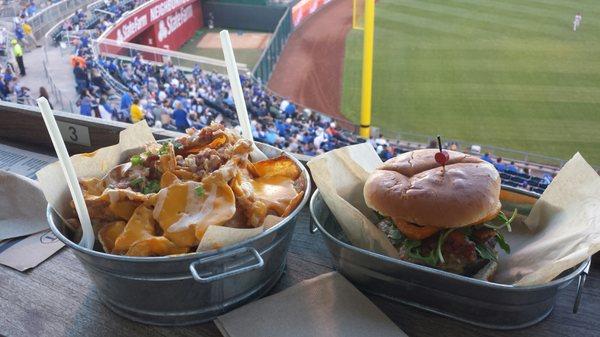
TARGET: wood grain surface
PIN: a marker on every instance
(58, 299)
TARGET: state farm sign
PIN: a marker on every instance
(171, 13)
(132, 28)
(173, 22)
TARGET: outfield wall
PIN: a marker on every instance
(166, 24)
(243, 16)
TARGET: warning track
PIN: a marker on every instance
(310, 68)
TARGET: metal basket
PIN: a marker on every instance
(478, 302)
(191, 288)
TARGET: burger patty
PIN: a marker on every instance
(458, 249)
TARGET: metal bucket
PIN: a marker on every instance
(191, 288)
(477, 302)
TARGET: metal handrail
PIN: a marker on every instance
(265, 51)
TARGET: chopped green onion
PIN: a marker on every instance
(199, 191)
(136, 181)
(164, 149)
(136, 160)
(177, 145)
(153, 186)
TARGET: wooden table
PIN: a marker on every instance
(58, 299)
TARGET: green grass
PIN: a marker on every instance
(508, 73)
(248, 56)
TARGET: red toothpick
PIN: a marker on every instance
(441, 157)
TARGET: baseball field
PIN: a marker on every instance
(509, 73)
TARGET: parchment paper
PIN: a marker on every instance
(562, 230)
(340, 175)
(217, 237)
(95, 164)
(22, 206)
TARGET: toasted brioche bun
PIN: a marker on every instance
(414, 187)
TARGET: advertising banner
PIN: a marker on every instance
(304, 9)
(161, 23)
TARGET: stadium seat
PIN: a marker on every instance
(504, 176)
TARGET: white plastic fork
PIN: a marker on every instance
(87, 239)
(238, 95)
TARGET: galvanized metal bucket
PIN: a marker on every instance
(191, 288)
(481, 303)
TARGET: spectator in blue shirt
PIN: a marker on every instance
(500, 165)
(486, 156)
(31, 9)
(85, 104)
(290, 110)
(19, 34)
(270, 137)
(512, 168)
(547, 179)
(180, 117)
(126, 101)
(227, 99)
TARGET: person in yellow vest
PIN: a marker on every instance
(136, 111)
(18, 52)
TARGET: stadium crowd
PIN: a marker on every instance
(170, 98)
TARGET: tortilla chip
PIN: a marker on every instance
(92, 186)
(108, 234)
(139, 227)
(168, 179)
(278, 166)
(155, 246)
(276, 192)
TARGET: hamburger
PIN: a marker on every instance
(443, 216)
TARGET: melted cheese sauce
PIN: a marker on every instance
(277, 192)
(184, 215)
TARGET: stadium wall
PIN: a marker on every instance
(244, 16)
(166, 24)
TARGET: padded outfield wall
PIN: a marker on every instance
(166, 24)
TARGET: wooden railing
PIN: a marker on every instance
(23, 124)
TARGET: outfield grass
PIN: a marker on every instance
(508, 73)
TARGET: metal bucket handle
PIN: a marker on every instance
(312, 227)
(219, 276)
(580, 284)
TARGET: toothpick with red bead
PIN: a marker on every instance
(441, 157)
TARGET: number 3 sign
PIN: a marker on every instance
(73, 133)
